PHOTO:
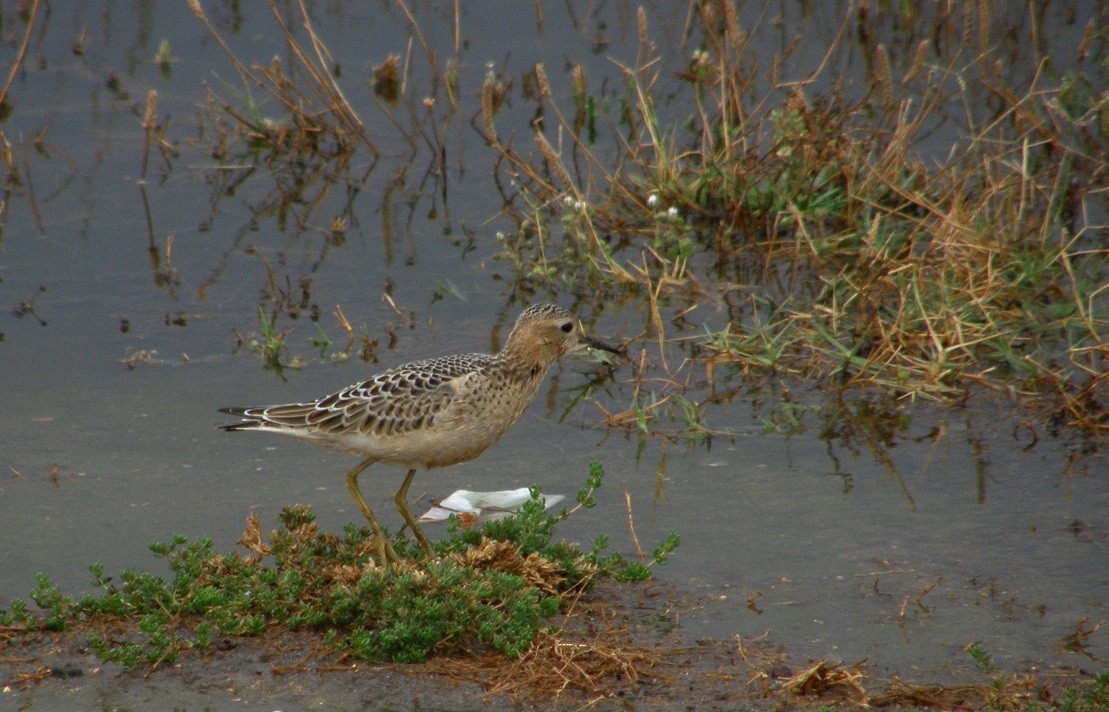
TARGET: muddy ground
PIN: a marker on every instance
(648, 664)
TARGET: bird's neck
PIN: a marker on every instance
(527, 364)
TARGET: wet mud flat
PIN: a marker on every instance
(297, 671)
(657, 667)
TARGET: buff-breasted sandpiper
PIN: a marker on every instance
(430, 413)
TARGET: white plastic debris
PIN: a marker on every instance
(472, 507)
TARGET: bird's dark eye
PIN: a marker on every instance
(567, 327)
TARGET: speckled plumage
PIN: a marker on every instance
(424, 414)
(430, 413)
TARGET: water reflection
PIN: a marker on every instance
(907, 528)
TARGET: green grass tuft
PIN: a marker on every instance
(492, 588)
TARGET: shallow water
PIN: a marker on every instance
(901, 549)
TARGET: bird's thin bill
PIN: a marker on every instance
(600, 345)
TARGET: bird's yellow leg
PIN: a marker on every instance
(385, 552)
(402, 506)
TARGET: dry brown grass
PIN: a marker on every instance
(1014, 694)
(558, 666)
(838, 247)
(308, 92)
(921, 230)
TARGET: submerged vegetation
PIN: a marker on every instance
(929, 228)
(808, 213)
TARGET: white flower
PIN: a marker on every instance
(652, 200)
(672, 213)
